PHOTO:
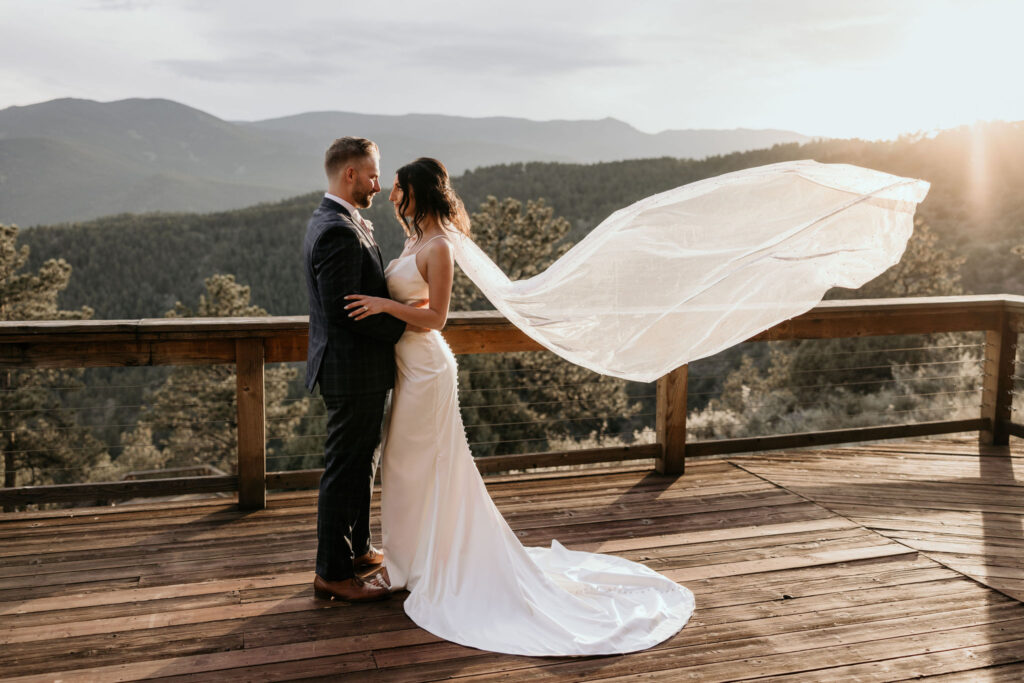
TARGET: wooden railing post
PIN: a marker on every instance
(252, 454)
(997, 389)
(671, 421)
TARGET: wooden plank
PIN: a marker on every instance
(810, 439)
(116, 490)
(988, 662)
(871, 599)
(161, 619)
(128, 353)
(1014, 429)
(307, 479)
(252, 425)
(151, 328)
(133, 595)
(711, 535)
(841, 324)
(780, 563)
(128, 609)
(756, 595)
(226, 661)
(495, 339)
(670, 421)
(290, 349)
(752, 550)
(504, 463)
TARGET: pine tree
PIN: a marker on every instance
(515, 402)
(39, 437)
(191, 417)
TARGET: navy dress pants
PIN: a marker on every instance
(350, 464)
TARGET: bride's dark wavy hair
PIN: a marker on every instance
(426, 181)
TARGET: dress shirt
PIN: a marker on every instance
(353, 211)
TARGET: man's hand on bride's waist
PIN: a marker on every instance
(363, 306)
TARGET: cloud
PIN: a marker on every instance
(119, 5)
(264, 67)
(532, 54)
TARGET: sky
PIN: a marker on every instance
(832, 68)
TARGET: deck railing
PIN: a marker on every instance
(250, 343)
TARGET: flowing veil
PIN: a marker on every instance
(689, 272)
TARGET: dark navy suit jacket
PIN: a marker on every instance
(346, 356)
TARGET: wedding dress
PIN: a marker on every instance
(670, 279)
(469, 579)
(689, 272)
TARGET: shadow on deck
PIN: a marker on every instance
(882, 562)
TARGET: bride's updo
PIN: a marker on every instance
(426, 182)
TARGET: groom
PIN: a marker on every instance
(354, 364)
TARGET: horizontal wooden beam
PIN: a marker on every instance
(116, 490)
(152, 329)
(201, 341)
(504, 463)
(116, 353)
(1014, 429)
(310, 479)
(810, 439)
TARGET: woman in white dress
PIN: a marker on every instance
(469, 579)
(674, 277)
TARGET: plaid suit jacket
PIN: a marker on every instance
(345, 356)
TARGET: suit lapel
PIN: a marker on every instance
(376, 250)
(360, 230)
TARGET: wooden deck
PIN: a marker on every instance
(882, 562)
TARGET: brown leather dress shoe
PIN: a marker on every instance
(349, 590)
(372, 559)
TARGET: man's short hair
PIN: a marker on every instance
(344, 151)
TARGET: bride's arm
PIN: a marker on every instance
(440, 266)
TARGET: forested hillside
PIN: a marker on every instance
(137, 265)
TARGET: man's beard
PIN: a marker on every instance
(362, 200)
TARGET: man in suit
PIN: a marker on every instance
(354, 364)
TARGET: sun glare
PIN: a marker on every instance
(962, 62)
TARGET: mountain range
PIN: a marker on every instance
(72, 159)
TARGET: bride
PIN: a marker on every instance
(675, 277)
(469, 579)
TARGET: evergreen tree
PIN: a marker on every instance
(515, 402)
(191, 417)
(40, 439)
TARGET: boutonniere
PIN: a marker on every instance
(368, 224)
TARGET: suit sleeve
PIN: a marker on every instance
(337, 263)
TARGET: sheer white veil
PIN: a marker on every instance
(689, 272)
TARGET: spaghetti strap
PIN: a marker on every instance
(424, 245)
